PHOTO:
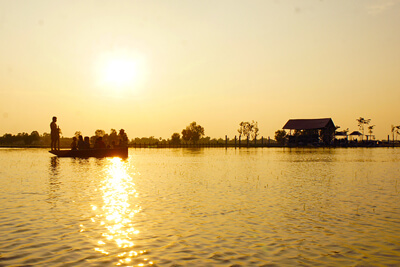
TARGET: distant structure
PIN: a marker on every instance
(355, 133)
(310, 131)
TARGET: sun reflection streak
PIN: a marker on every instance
(116, 215)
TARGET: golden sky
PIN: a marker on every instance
(153, 67)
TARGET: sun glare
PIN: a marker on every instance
(120, 72)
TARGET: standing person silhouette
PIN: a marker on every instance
(55, 135)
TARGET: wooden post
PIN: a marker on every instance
(262, 141)
(235, 141)
(226, 141)
(247, 141)
(240, 140)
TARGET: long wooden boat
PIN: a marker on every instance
(121, 152)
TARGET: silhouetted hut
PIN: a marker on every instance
(341, 134)
(355, 133)
(311, 131)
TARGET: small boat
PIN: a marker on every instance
(121, 152)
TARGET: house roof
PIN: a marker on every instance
(356, 133)
(308, 124)
(343, 133)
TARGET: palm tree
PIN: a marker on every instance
(361, 122)
(395, 130)
(370, 128)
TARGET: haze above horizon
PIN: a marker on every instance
(153, 67)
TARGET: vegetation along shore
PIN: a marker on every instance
(194, 136)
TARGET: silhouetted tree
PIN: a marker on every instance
(34, 136)
(254, 130)
(361, 122)
(6, 139)
(280, 136)
(370, 131)
(45, 138)
(395, 131)
(146, 140)
(248, 129)
(175, 139)
(193, 132)
(186, 135)
(99, 133)
(244, 129)
(205, 140)
(25, 137)
(20, 138)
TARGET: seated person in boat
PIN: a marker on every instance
(122, 142)
(86, 142)
(113, 145)
(74, 144)
(123, 138)
(99, 143)
(81, 143)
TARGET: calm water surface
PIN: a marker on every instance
(201, 207)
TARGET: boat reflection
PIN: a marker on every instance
(116, 215)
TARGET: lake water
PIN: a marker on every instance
(201, 207)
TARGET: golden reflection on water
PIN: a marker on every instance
(117, 213)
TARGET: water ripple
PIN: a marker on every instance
(216, 207)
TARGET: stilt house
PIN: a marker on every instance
(310, 131)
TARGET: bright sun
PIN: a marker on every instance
(120, 72)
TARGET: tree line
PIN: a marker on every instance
(191, 134)
(22, 138)
(35, 139)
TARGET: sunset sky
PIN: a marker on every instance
(153, 67)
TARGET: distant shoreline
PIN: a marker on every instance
(389, 145)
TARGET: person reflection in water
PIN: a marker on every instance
(54, 168)
(54, 135)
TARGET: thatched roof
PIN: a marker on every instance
(308, 124)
